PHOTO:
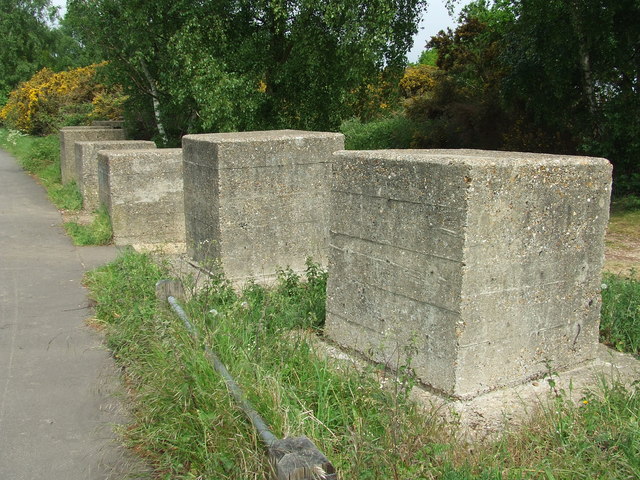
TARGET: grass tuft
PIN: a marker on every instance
(98, 232)
(620, 318)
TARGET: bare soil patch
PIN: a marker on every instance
(622, 244)
(80, 217)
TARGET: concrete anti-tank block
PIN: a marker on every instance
(142, 190)
(481, 269)
(256, 201)
(70, 135)
(86, 155)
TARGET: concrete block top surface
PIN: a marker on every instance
(260, 136)
(116, 143)
(127, 153)
(472, 157)
(261, 149)
(143, 160)
(85, 127)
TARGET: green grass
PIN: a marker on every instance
(188, 428)
(40, 156)
(620, 320)
(99, 232)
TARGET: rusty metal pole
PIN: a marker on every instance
(294, 458)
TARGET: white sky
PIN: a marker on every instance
(437, 18)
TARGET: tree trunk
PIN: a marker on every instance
(585, 67)
(156, 102)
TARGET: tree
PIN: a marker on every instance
(538, 75)
(458, 103)
(25, 32)
(230, 64)
(575, 67)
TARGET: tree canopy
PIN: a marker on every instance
(25, 32)
(34, 37)
(231, 65)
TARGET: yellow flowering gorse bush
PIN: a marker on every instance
(39, 105)
(418, 80)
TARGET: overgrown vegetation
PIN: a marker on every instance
(391, 132)
(187, 427)
(620, 319)
(40, 156)
(536, 76)
(254, 65)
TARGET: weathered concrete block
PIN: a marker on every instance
(478, 268)
(70, 135)
(257, 201)
(142, 190)
(86, 155)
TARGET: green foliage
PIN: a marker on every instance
(392, 132)
(428, 57)
(33, 38)
(620, 320)
(204, 66)
(625, 204)
(25, 33)
(573, 69)
(99, 232)
(458, 104)
(40, 156)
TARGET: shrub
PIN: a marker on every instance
(418, 80)
(49, 100)
(392, 132)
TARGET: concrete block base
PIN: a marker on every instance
(489, 415)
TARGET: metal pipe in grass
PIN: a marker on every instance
(261, 427)
(295, 458)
